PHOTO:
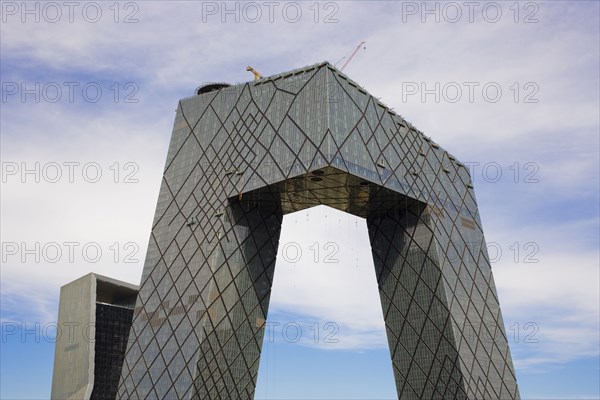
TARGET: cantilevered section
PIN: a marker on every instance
(240, 158)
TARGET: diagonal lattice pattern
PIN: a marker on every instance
(240, 158)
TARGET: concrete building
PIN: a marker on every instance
(240, 158)
(94, 320)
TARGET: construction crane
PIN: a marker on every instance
(257, 74)
(352, 55)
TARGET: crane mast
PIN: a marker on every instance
(352, 55)
(257, 75)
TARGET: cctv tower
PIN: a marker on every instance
(243, 156)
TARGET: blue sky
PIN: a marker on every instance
(543, 56)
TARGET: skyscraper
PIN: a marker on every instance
(94, 320)
(240, 158)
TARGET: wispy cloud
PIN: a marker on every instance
(171, 50)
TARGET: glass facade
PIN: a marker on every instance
(240, 158)
(112, 330)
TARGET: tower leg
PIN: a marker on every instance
(417, 318)
(233, 327)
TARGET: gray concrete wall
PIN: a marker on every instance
(73, 376)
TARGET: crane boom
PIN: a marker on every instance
(257, 74)
(352, 55)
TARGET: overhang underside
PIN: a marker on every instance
(331, 187)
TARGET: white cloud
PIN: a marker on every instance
(331, 276)
(170, 51)
(82, 211)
